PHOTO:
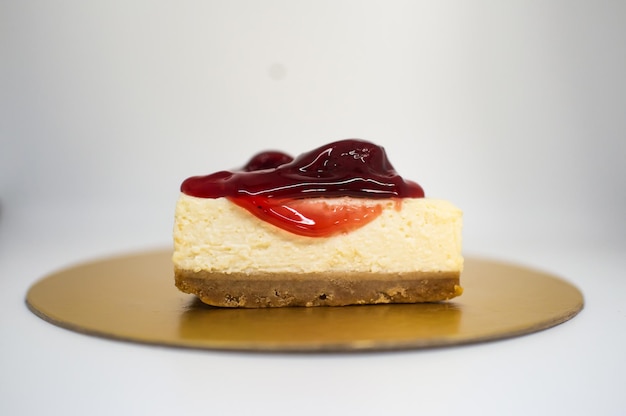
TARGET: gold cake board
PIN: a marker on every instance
(133, 298)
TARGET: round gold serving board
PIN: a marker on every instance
(133, 298)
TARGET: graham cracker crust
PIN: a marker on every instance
(317, 289)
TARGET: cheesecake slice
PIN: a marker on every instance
(336, 226)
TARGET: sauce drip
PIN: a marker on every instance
(272, 186)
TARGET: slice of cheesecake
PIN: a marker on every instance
(410, 253)
(241, 240)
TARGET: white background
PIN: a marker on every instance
(515, 111)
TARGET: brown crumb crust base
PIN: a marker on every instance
(317, 289)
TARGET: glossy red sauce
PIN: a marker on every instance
(273, 186)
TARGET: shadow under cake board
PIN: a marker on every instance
(133, 298)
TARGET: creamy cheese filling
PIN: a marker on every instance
(419, 234)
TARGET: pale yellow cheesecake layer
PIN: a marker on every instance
(415, 234)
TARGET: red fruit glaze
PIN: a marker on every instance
(272, 184)
(311, 218)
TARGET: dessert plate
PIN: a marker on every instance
(133, 298)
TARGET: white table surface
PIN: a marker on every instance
(575, 368)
